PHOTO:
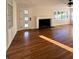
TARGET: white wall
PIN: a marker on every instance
(12, 31)
(41, 11)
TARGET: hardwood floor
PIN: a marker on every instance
(28, 45)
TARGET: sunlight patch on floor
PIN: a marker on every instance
(57, 43)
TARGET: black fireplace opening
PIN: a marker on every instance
(44, 23)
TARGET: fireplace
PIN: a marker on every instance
(44, 23)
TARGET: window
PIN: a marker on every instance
(60, 15)
(10, 16)
(25, 11)
(26, 25)
(26, 18)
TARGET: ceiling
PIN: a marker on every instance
(40, 2)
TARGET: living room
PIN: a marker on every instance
(42, 25)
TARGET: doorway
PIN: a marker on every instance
(26, 19)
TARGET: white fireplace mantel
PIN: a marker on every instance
(39, 18)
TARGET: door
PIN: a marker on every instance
(26, 19)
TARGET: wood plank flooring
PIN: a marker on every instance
(28, 45)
